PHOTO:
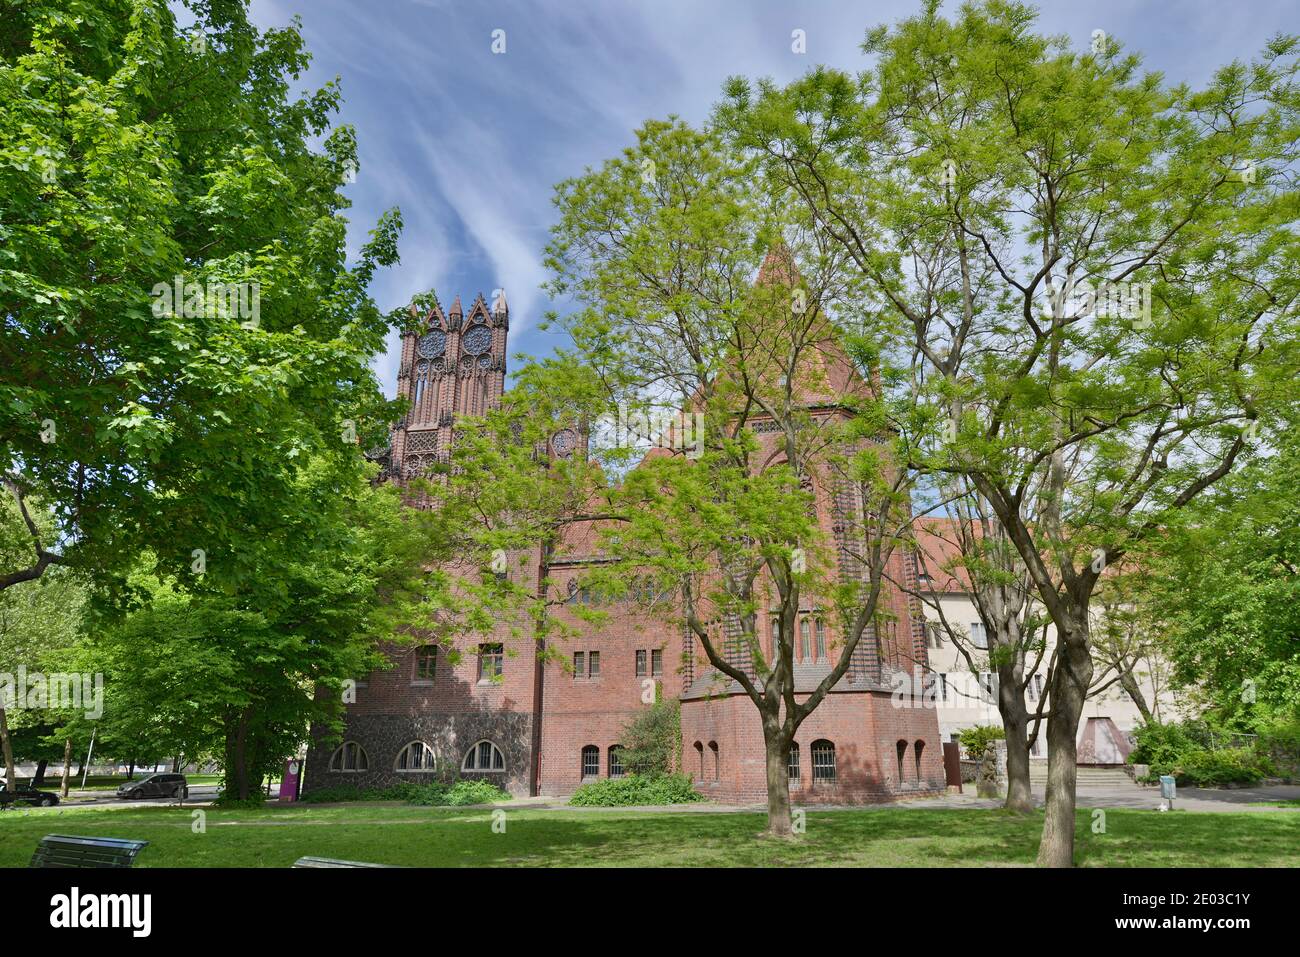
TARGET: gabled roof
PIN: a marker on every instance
(938, 547)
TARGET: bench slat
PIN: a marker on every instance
(332, 862)
(68, 850)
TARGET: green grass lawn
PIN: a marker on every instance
(452, 837)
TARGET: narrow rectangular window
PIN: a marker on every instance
(640, 664)
(657, 663)
(593, 664)
(989, 685)
(426, 662)
(978, 637)
(579, 664)
(943, 686)
(804, 652)
(490, 657)
(820, 626)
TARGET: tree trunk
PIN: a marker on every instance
(1068, 693)
(237, 756)
(7, 746)
(67, 766)
(778, 784)
(130, 770)
(39, 778)
(1019, 795)
(1134, 691)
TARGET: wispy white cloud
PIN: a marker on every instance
(469, 143)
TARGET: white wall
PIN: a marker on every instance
(966, 705)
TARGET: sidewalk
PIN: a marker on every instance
(1132, 796)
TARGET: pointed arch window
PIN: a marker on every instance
(350, 757)
(484, 756)
(416, 758)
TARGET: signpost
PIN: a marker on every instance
(1168, 791)
(289, 783)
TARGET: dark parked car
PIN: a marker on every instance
(156, 786)
(26, 794)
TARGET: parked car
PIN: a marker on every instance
(156, 785)
(26, 794)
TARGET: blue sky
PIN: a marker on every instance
(469, 143)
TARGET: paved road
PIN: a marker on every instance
(1145, 798)
(199, 794)
(1088, 796)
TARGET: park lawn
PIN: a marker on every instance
(458, 837)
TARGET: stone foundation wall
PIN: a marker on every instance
(449, 735)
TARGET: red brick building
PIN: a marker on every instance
(545, 728)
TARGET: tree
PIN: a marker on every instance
(1014, 624)
(1092, 275)
(653, 739)
(973, 552)
(1226, 585)
(244, 674)
(661, 248)
(178, 321)
(39, 621)
(1127, 636)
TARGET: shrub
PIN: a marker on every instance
(1203, 768)
(1187, 752)
(431, 793)
(343, 792)
(652, 740)
(975, 740)
(475, 792)
(428, 794)
(636, 789)
(1281, 743)
(1161, 746)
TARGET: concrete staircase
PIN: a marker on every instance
(1087, 777)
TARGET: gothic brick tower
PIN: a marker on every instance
(455, 364)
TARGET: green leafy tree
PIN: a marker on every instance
(136, 156)
(1014, 625)
(40, 621)
(661, 247)
(245, 673)
(1092, 276)
(652, 741)
(1226, 595)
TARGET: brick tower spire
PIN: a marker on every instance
(453, 365)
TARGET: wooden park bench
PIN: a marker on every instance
(64, 850)
(331, 862)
